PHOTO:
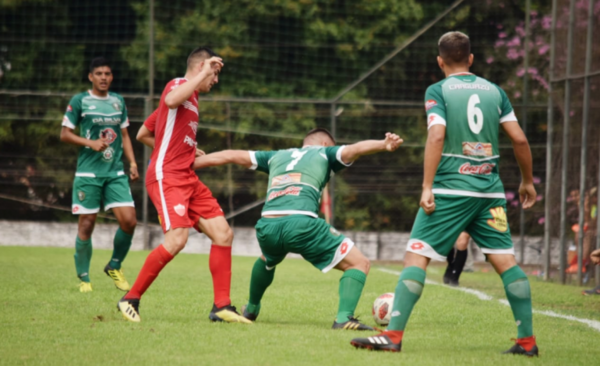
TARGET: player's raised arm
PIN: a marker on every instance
(209, 69)
(433, 154)
(520, 144)
(352, 152)
(239, 157)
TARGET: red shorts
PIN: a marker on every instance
(182, 205)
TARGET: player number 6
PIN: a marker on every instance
(473, 112)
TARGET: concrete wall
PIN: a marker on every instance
(382, 246)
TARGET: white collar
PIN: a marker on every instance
(461, 73)
(97, 97)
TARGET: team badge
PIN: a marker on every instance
(81, 195)
(117, 107)
(109, 135)
(108, 154)
(179, 209)
(498, 220)
(333, 231)
(69, 109)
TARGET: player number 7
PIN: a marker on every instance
(473, 112)
(297, 155)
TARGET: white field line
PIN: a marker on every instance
(594, 324)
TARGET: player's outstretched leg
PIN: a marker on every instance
(155, 262)
(262, 277)
(355, 266)
(408, 291)
(518, 293)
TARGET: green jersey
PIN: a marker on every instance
(297, 177)
(472, 110)
(98, 117)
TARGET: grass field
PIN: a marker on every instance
(45, 320)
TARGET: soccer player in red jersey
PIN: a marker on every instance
(182, 201)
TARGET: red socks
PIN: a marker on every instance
(155, 262)
(527, 343)
(394, 335)
(219, 263)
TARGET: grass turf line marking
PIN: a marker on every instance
(594, 324)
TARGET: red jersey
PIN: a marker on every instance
(175, 138)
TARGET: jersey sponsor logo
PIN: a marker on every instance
(108, 154)
(69, 109)
(498, 220)
(293, 191)
(469, 87)
(477, 149)
(179, 209)
(430, 104)
(194, 126)
(109, 135)
(285, 179)
(107, 120)
(417, 246)
(344, 248)
(483, 169)
(92, 107)
(190, 141)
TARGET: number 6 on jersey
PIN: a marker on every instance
(474, 124)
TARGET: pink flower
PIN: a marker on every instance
(521, 72)
(512, 54)
(514, 203)
(499, 43)
(502, 35)
(537, 180)
(510, 195)
(489, 60)
(543, 49)
(539, 198)
(517, 95)
(541, 220)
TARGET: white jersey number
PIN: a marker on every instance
(297, 155)
(474, 114)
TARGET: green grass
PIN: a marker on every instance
(45, 320)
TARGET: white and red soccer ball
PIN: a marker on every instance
(382, 308)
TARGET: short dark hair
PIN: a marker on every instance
(455, 48)
(319, 130)
(98, 62)
(199, 54)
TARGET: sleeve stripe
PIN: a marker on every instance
(253, 160)
(511, 117)
(125, 124)
(338, 156)
(67, 123)
(435, 119)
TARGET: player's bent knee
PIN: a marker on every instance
(224, 238)
(128, 225)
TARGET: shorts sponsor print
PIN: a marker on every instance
(434, 235)
(318, 243)
(90, 192)
(181, 205)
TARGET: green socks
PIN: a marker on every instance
(408, 291)
(83, 256)
(351, 286)
(518, 293)
(121, 245)
(260, 280)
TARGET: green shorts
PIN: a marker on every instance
(434, 235)
(314, 239)
(88, 192)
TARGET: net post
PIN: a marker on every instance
(525, 102)
(148, 107)
(549, 141)
(229, 167)
(332, 181)
(565, 155)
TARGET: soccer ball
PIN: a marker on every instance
(382, 308)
